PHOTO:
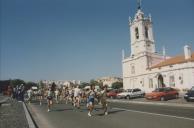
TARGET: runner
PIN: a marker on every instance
(57, 95)
(40, 95)
(66, 95)
(104, 100)
(91, 96)
(77, 97)
(49, 98)
(29, 92)
(71, 95)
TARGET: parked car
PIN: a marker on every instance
(113, 93)
(162, 94)
(131, 93)
(189, 96)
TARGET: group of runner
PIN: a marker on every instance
(76, 96)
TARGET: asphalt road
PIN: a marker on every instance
(120, 116)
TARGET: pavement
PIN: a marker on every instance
(3, 99)
(12, 114)
(180, 102)
(159, 103)
(121, 115)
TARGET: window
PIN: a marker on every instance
(146, 31)
(132, 69)
(171, 81)
(142, 82)
(136, 33)
(181, 79)
(150, 83)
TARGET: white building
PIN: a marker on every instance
(67, 83)
(146, 69)
(109, 80)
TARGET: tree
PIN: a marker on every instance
(41, 84)
(16, 82)
(84, 84)
(117, 85)
(96, 83)
(30, 84)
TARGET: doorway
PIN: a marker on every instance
(160, 81)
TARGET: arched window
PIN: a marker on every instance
(136, 33)
(146, 31)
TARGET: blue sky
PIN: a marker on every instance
(82, 39)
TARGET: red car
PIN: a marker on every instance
(113, 93)
(162, 94)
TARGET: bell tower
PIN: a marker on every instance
(141, 32)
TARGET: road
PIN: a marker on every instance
(120, 116)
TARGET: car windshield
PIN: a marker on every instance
(192, 89)
(129, 90)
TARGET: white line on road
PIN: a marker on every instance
(178, 117)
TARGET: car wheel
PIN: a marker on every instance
(128, 97)
(162, 99)
(176, 96)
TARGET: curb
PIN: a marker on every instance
(153, 103)
(3, 100)
(28, 117)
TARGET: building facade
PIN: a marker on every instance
(146, 69)
(67, 83)
(109, 80)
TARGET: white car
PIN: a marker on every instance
(131, 93)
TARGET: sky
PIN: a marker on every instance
(83, 39)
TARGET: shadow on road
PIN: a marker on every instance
(111, 112)
(59, 110)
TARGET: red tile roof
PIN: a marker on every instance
(174, 60)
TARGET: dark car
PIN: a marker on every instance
(189, 96)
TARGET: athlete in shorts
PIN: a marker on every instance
(57, 95)
(49, 99)
(103, 100)
(91, 96)
(40, 95)
(66, 95)
(29, 92)
(77, 97)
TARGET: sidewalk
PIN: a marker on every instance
(3, 99)
(174, 103)
(12, 114)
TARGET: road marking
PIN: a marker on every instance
(178, 117)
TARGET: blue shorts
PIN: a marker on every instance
(90, 100)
